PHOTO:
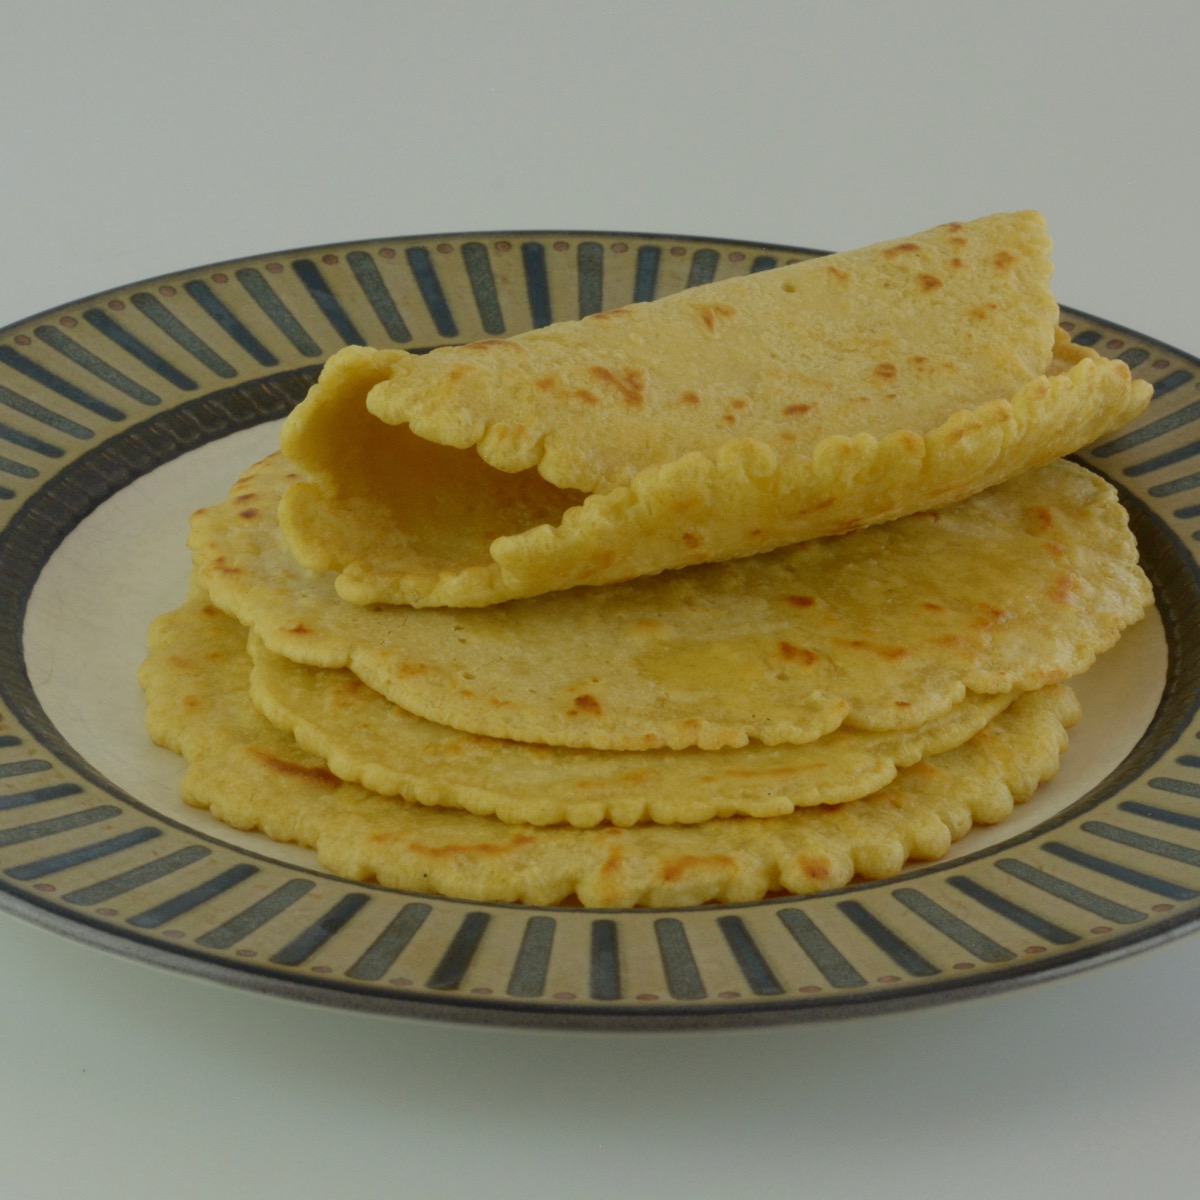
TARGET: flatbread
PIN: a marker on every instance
(886, 628)
(252, 776)
(366, 739)
(719, 422)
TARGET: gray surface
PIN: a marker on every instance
(141, 138)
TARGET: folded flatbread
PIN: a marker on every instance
(885, 628)
(719, 422)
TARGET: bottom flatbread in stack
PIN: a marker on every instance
(252, 776)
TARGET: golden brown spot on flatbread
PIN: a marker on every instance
(299, 627)
(586, 704)
(952, 642)
(1004, 260)
(929, 282)
(1062, 591)
(676, 868)
(609, 314)
(211, 610)
(248, 513)
(689, 398)
(630, 383)
(547, 383)
(245, 497)
(956, 262)
(930, 606)
(1038, 520)
(710, 313)
(885, 370)
(691, 541)
(612, 862)
(586, 396)
(990, 616)
(801, 601)
(902, 248)
(838, 274)
(798, 653)
(962, 431)
(890, 652)
(490, 343)
(472, 849)
(737, 404)
(814, 868)
(405, 670)
(284, 767)
(797, 410)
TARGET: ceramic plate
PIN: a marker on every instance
(121, 413)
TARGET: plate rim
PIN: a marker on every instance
(667, 1015)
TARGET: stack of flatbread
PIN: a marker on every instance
(755, 589)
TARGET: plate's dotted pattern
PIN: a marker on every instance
(95, 394)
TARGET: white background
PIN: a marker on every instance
(140, 138)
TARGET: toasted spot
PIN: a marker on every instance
(299, 627)
(587, 704)
(840, 275)
(929, 282)
(492, 343)
(814, 868)
(248, 513)
(1038, 520)
(690, 540)
(801, 601)
(798, 653)
(586, 396)
(710, 314)
(1004, 260)
(889, 652)
(797, 410)
(689, 398)
(902, 248)
(629, 382)
(612, 861)
(471, 849)
(284, 767)
(676, 868)
(547, 383)
(406, 670)
(1062, 591)
(885, 370)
